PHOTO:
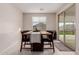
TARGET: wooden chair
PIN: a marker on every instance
(25, 39)
(49, 39)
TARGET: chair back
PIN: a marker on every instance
(25, 37)
(53, 34)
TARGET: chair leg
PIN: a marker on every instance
(50, 44)
(21, 46)
(53, 46)
(24, 44)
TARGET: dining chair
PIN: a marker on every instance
(25, 39)
(49, 39)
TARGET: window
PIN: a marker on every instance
(39, 23)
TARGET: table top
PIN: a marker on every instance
(45, 33)
(41, 32)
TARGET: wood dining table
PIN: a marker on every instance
(36, 43)
(41, 32)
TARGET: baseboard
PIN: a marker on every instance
(7, 49)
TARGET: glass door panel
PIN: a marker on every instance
(61, 27)
(69, 27)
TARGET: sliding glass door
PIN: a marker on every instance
(67, 27)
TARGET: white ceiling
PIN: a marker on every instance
(35, 7)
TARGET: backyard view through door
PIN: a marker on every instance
(67, 27)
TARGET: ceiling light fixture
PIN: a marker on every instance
(41, 9)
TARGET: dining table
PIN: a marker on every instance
(36, 39)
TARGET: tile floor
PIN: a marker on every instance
(15, 51)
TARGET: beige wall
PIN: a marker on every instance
(51, 20)
(10, 25)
